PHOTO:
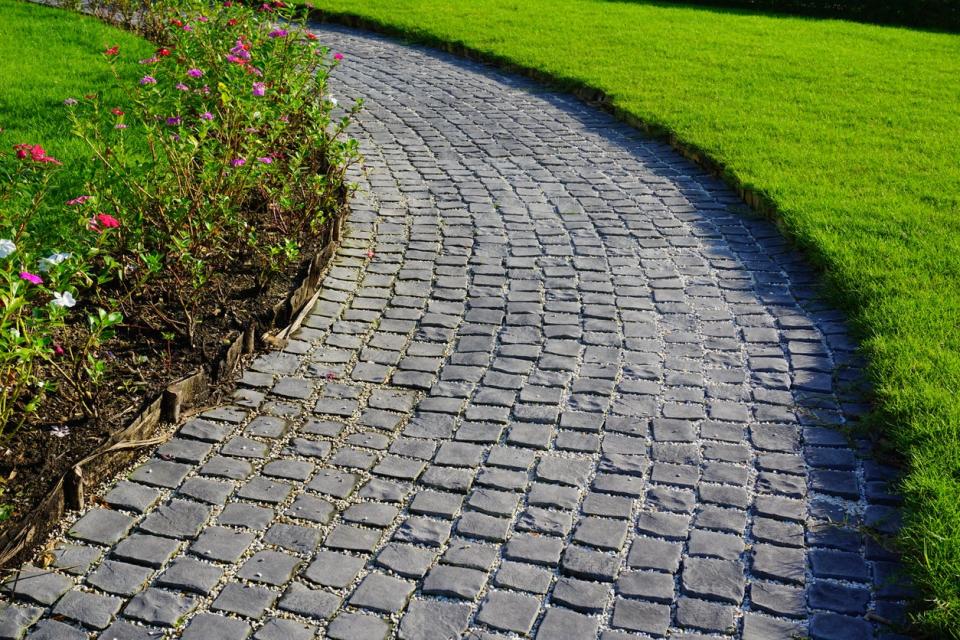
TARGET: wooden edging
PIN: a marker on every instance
(187, 393)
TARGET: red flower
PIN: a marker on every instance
(177, 22)
(232, 22)
(164, 52)
(34, 152)
(112, 51)
(103, 221)
(311, 36)
(228, 4)
(117, 111)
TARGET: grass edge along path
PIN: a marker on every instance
(897, 277)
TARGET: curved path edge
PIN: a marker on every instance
(556, 385)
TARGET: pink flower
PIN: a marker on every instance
(103, 221)
(265, 160)
(78, 200)
(150, 60)
(278, 33)
(203, 19)
(31, 278)
(120, 126)
(187, 27)
(58, 350)
(206, 115)
(70, 102)
(259, 88)
(182, 87)
(145, 80)
(195, 73)
(238, 162)
(338, 57)
(34, 152)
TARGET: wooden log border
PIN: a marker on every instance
(191, 392)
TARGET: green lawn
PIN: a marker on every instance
(47, 55)
(851, 131)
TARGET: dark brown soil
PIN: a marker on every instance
(143, 361)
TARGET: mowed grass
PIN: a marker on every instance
(850, 130)
(47, 55)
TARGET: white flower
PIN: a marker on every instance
(60, 431)
(64, 299)
(51, 261)
(6, 248)
(15, 334)
(333, 101)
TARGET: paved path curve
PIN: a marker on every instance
(558, 384)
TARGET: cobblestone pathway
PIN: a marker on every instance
(557, 385)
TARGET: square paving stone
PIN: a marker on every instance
(523, 577)
(350, 538)
(307, 448)
(436, 503)
(241, 447)
(338, 484)
(54, 630)
(335, 570)
(140, 548)
(601, 504)
(426, 531)
(262, 489)
(246, 515)
(780, 563)
(210, 626)
(603, 533)
(161, 473)
(311, 508)
(189, 574)
(75, 558)
(560, 624)
(293, 538)
(200, 429)
(37, 585)
(382, 593)
(132, 496)
(206, 490)
(312, 603)
(589, 564)
(123, 630)
(182, 450)
(221, 544)
(714, 579)
(357, 626)
(177, 519)
(705, 615)
(384, 490)
(246, 600)
(400, 468)
(457, 480)
(88, 609)
(288, 469)
(372, 514)
(493, 502)
(534, 548)
(545, 521)
(636, 615)
(221, 467)
(553, 496)
(458, 454)
(650, 553)
(405, 559)
(120, 578)
(471, 554)
(509, 611)
(271, 567)
(432, 619)
(353, 458)
(478, 525)
(101, 526)
(158, 607)
(283, 629)
(650, 585)
(582, 595)
(454, 582)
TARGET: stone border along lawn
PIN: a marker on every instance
(842, 131)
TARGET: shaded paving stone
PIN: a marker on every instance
(160, 473)
(37, 585)
(75, 559)
(152, 551)
(131, 496)
(88, 609)
(101, 526)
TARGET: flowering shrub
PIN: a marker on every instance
(37, 292)
(244, 161)
(247, 154)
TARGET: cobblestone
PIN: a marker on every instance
(555, 384)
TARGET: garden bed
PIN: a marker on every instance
(139, 265)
